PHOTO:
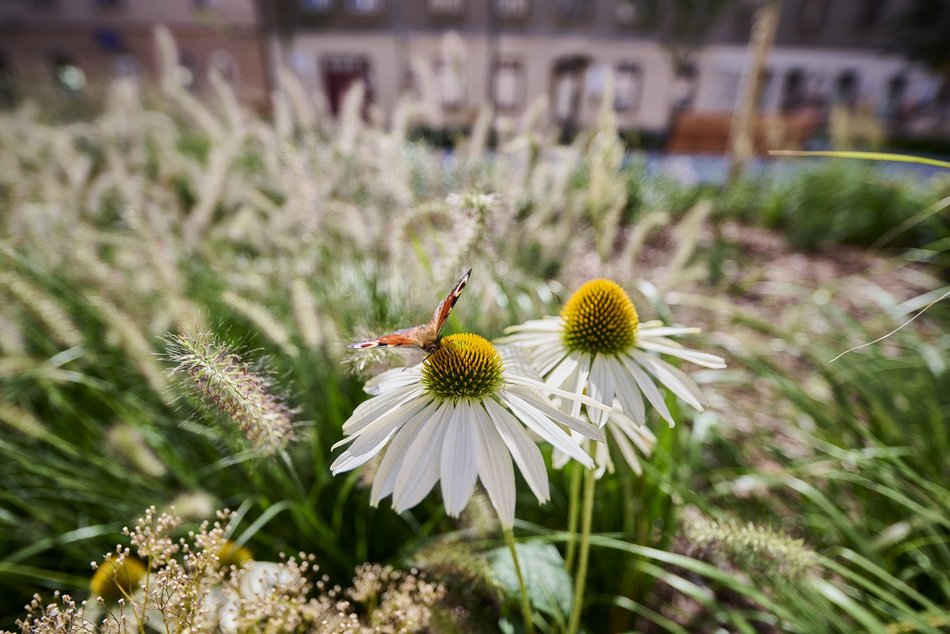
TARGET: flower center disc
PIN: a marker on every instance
(464, 366)
(599, 317)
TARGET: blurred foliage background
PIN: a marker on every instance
(812, 496)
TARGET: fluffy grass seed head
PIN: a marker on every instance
(753, 547)
(220, 376)
(599, 317)
(465, 366)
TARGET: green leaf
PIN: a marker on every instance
(549, 586)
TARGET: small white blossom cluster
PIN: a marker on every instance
(192, 585)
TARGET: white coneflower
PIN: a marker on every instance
(599, 347)
(457, 417)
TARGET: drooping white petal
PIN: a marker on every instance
(673, 378)
(375, 437)
(393, 379)
(385, 478)
(602, 458)
(548, 355)
(516, 379)
(494, 466)
(537, 401)
(628, 394)
(665, 331)
(649, 389)
(600, 387)
(367, 411)
(459, 463)
(420, 468)
(626, 449)
(395, 411)
(693, 356)
(580, 382)
(525, 453)
(562, 371)
(539, 424)
(545, 324)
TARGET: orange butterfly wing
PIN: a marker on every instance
(425, 336)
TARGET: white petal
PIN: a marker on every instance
(526, 454)
(420, 468)
(494, 467)
(694, 356)
(583, 373)
(627, 391)
(602, 458)
(369, 410)
(674, 379)
(385, 478)
(562, 372)
(546, 324)
(546, 357)
(394, 411)
(459, 460)
(393, 379)
(539, 424)
(600, 387)
(516, 379)
(649, 389)
(626, 450)
(665, 331)
(533, 399)
(375, 437)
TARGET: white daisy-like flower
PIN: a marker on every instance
(598, 347)
(458, 417)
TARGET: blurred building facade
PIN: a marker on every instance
(664, 58)
(73, 44)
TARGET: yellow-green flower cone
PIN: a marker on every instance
(599, 317)
(465, 366)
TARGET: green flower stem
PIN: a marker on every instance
(573, 512)
(526, 614)
(590, 481)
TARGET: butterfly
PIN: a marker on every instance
(426, 336)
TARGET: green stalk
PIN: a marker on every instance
(590, 480)
(526, 614)
(573, 512)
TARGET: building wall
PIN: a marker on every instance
(108, 42)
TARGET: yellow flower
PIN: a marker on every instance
(116, 579)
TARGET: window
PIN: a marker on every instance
(343, 71)
(628, 87)
(685, 85)
(846, 87)
(508, 85)
(364, 7)
(793, 89)
(512, 8)
(446, 7)
(317, 6)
